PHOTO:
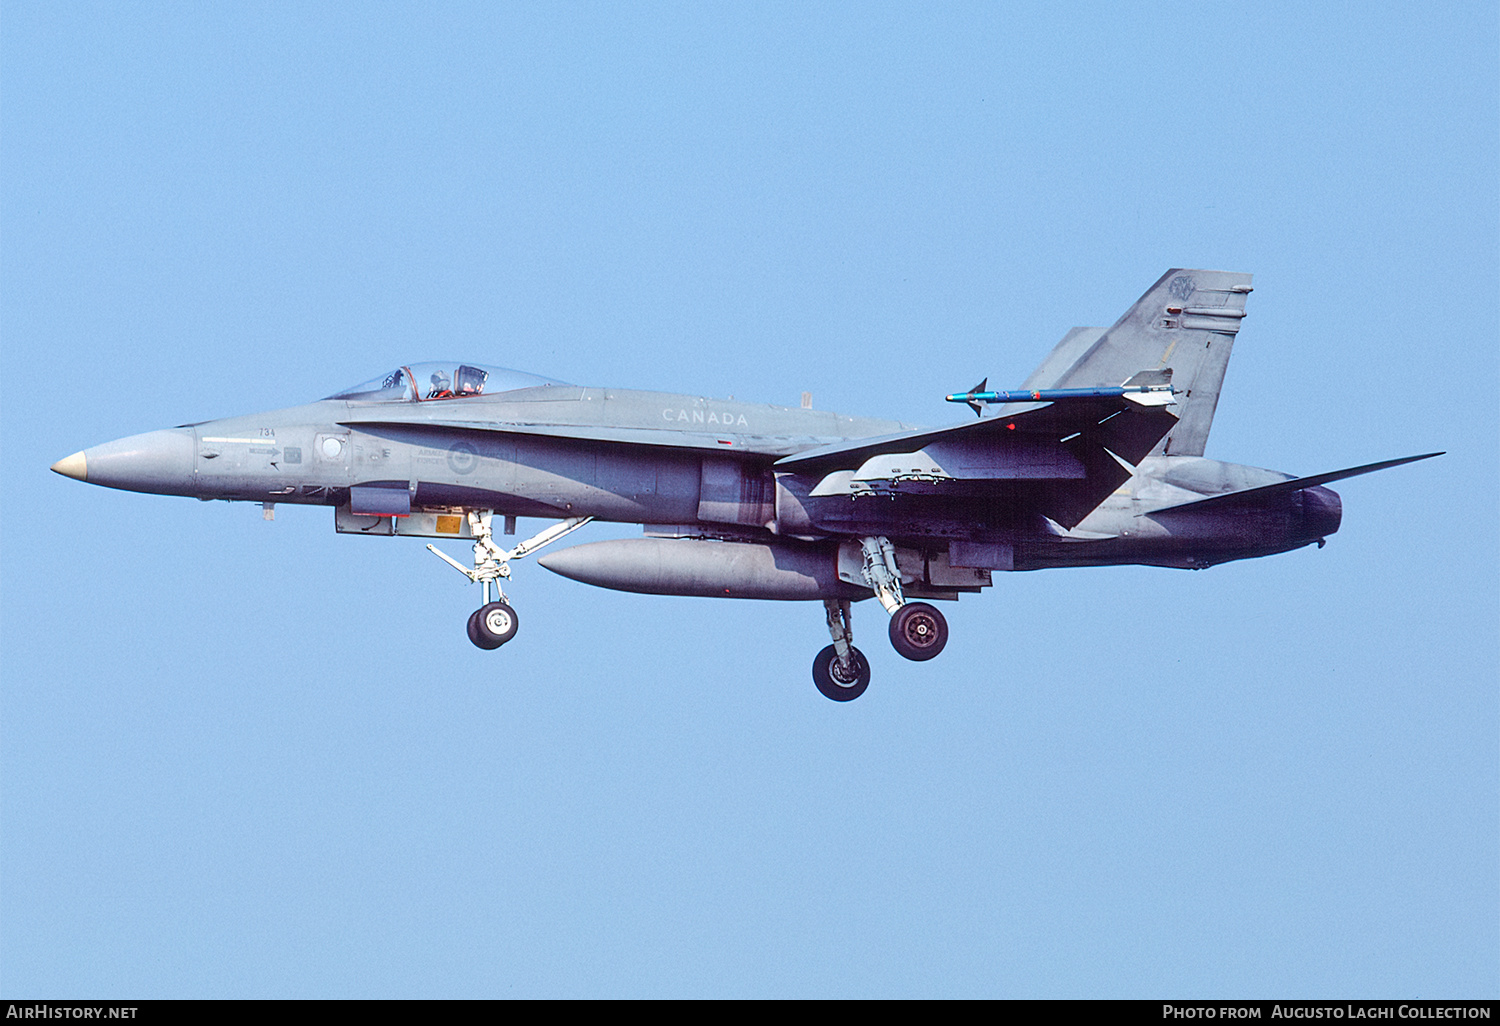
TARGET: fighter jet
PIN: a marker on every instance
(1095, 460)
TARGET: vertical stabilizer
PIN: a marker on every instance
(1073, 345)
(1186, 322)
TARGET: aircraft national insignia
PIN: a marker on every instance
(462, 458)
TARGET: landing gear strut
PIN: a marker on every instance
(918, 630)
(840, 670)
(495, 623)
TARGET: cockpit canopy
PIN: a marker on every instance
(440, 379)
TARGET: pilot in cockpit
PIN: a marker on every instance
(441, 388)
(471, 380)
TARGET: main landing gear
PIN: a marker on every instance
(495, 623)
(918, 631)
(840, 670)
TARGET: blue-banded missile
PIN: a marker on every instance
(1052, 395)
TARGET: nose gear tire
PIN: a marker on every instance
(493, 625)
(474, 635)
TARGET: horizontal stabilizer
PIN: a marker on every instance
(1296, 484)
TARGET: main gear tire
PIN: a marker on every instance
(834, 682)
(918, 631)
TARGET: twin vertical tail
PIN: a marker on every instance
(1182, 330)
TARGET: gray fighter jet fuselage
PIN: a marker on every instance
(1097, 460)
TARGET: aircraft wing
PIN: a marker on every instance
(728, 442)
(1058, 460)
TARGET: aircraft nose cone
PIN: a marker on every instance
(1322, 511)
(157, 461)
(75, 466)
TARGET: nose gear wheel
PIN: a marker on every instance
(493, 624)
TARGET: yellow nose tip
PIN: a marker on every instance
(74, 466)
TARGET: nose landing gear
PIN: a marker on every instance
(495, 623)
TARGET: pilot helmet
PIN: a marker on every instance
(439, 381)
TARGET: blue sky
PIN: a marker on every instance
(257, 759)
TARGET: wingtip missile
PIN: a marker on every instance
(1148, 394)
